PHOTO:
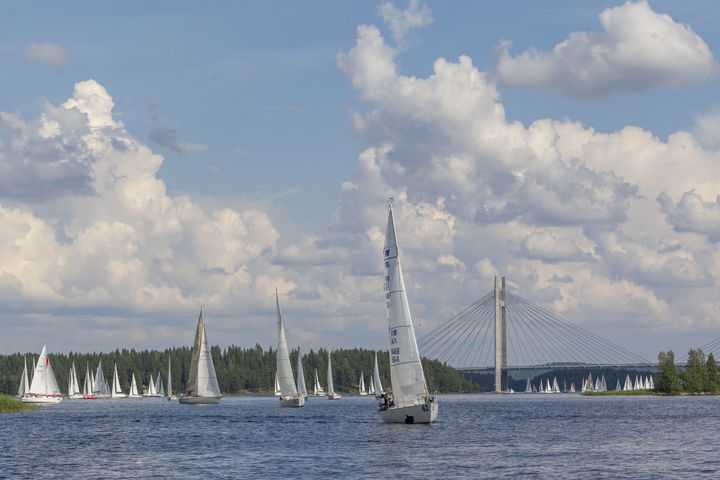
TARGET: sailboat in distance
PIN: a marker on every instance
(116, 391)
(361, 384)
(24, 380)
(289, 396)
(133, 388)
(410, 401)
(44, 387)
(331, 394)
(318, 390)
(170, 395)
(377, 384)
(202, 385)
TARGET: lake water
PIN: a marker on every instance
(477, 436)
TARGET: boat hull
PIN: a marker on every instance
(423, 413)
(199, 400)
(334, 396)
(292, 402)
(43, 400)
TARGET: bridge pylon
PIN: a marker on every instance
(501, 352)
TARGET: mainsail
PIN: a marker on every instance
(151, 387)
(406, 373)
(284, 368)
(24, 380)
(376, 378)
(116, 389)
(202, 380)
(99, 385)
(361, 384)
(159, 386)
(133, 387)
(331, 387)
(43, 381)
(317, 388)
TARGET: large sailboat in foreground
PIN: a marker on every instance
(410, 401)
(44, 387)
(202, 386)
(289, 396)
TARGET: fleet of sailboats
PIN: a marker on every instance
(410, 401)
(202, 383)
(289, 396)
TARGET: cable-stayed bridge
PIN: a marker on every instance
(504, 332)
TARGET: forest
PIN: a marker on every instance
(239, 370)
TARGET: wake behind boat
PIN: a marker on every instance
(410, 401)
(202, 383)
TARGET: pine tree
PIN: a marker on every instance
(668, 381)
(713, 375)
(696, 376)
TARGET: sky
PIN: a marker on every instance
(158, 157)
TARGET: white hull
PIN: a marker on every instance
(76, 396)
(363, 394)
(200, 400)
(155, 395)
(334, 396)
(424, 413)
(45, 400)
(292, 402)
(134, 396)
(119, 395)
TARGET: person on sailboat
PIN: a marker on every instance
(383, 405)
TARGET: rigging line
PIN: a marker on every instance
(457, 317)
(541, 341)
(437, 344)
(524, 330)
(513, 341)
(482, 327)
(460, 344)
(477, 359)
(450, 337)
(608, 346)
(709, 347)
(521, 339)
(568, 345)
(451, 327)
(466, 350)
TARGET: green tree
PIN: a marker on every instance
(668, 380)
(712, 384)
(696, 373)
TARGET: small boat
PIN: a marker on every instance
(331, 394)
(202, 383)
(377, 384)
(289, 396)
(151, 391)
(24, 380)
(87, 385)
(43, 388)
(318, 390)
(361, 385)
(100, 386)
(371, 388)
(116, 390)
(410, 401)
(302, 389)
(159, 386)
(528, 387)
(73, 385)
(277, 392)
(133, 388)
(572, 387)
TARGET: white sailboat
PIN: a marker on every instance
(371, 388)
(44, 387)
(159, 388)
(277, 392)
(528, 387)
(318, 390)
(202, 386)
(170, 395)
(361, 385)
(572, 387)
(116, 390)
(24, 380)
(99, 385)
(87, 384)
(289, 396)
(377, 384)
(73, 384)
(133, 388)
(301, 387)
(331, 393)
(410, 401)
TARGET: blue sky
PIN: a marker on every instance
(249, 108)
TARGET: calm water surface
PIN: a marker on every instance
(477, 436)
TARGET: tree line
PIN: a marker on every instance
(239, 370)
(701, 374)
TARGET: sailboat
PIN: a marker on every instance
(318, 390)
(100, 387)
(116, 390)
(377, 384)
(331, 394)
(528, 387)
(88, 384)
(361, 384)
(289, 396)
(302, 389)
(277, 386)
(44, 387)
(73, 385)
(133, 388)
(159, 386)
(170, 395)
(151, 390)
(24, 380)
(410, 401)
(572, 387)
(202, 383)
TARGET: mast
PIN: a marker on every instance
(169, 381)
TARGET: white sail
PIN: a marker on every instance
(133, 387)
(651, 383)
(169, 381)
(361, 384)
(528, 387)
(100, 386)
(288, 388)
(371, 388)
(572, 387)
(159, 386)
(206, 384)
(277, 386)
(116, 390)
(151, 387)
(376, 378)
(317, 387)
(555, 386)
(76, 383)
(406, 373)
(331, 386)
(43, 381)
(24, 380)
(301, 387)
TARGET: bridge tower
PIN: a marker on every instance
(501, 353)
